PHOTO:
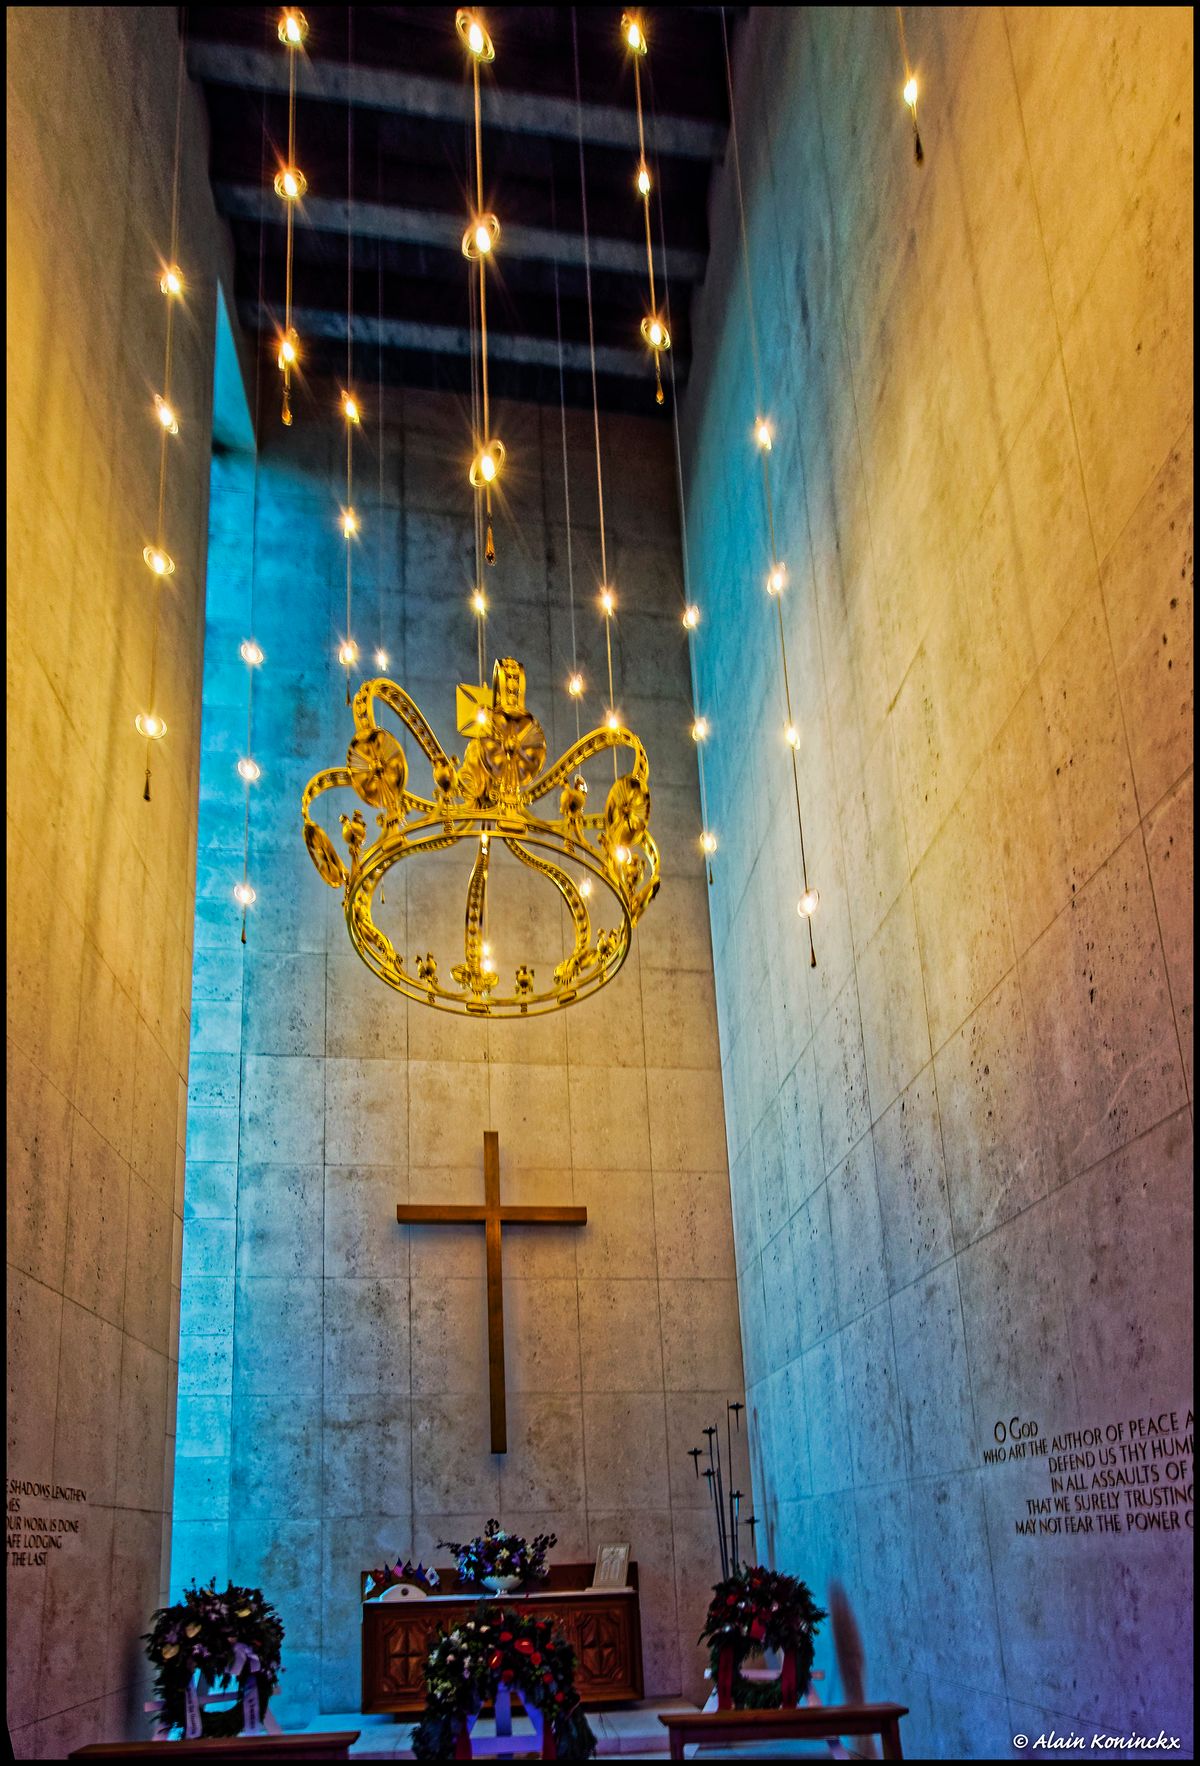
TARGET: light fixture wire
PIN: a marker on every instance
(910, 84)
(258, 358)
(165, 427)
(292, 50)
(562, 406)
(764, 453)
(349, 522)
(644, 192)
(693, 664)
(587, 270)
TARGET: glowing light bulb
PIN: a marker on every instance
(691, 617)
(808, 904)
(249, 770)
(481, 717)
(910, 91)
(762, 434)
(777, 580)
(289, 350)
(708, 842)
(350, 410)
(381, 659)
(349, 523)
(486, 953)
(575, 686)
(160, 562)
(479, 602)
(621, 854)
(171, 280)
(243, 894)
(293, 27)
(613, 720)
(165, 415)
(700, 729)
(348, 653)
(791, 735)
(643, 181)
(608, 600)
(150, 726)
(475, 38)
(250, 652)
(585, 887)
(485, 467)
(656, 333)
(634, 35)
(483, 240)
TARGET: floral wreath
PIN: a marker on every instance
(235, 1634)
(757, 1609)
(467, 1666)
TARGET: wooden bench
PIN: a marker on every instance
(291, 1745)
(804, 1723)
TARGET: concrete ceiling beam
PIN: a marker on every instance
(417, 95)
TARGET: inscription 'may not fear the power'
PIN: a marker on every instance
(1134, 1475)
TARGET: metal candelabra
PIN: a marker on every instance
(726, 1507)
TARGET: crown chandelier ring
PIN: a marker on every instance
(490, 798)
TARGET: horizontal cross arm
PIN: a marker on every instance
(440, 1213)
(547, 1216)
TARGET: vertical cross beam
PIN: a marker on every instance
(492, 1217)
(495, 1291)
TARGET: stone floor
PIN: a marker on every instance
(633, 1732)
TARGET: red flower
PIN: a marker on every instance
(548, 1678)
(560, 1698)
(536, 1658)
(506, 1637)
(524, 1645)
(495, 1659)
(731, 1600)
(507, 1674)
(758, 1629)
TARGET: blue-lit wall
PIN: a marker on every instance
(333, 1366)
(960, 1146)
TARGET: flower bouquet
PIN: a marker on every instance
(492, 1656)
(233, 1637)
(501, 1561)
(753, 1610)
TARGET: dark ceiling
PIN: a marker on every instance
(385, 91)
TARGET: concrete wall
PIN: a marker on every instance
(960, 1147)
(333, 1367)
(100, 883)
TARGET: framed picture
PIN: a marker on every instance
(612, 1566)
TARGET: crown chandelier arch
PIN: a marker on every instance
(502, 801)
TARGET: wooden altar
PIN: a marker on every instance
(603, 1626)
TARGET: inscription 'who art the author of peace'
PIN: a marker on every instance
(1134, 1475)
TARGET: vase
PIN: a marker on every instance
(500, 1584)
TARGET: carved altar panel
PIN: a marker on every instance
(602, 1627)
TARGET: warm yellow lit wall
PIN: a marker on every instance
(960, 1147)
(100, 883)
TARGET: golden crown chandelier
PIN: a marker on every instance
(490, 799)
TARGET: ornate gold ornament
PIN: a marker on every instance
(490, 798)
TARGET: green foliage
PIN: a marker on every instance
(468, 1665)
(202, 1632)
(759, 1609)
(497, 1553)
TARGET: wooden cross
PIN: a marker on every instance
(492, 1216)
